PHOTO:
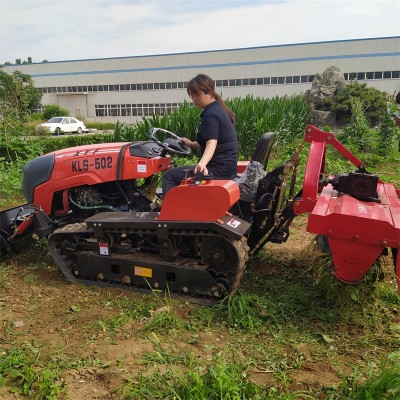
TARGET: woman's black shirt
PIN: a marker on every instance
(216, 124)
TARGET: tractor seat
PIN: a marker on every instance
(256, 168)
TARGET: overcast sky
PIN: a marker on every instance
(57, 30)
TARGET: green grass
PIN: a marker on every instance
(20, 367)
(223, 378)
(26, 370)
(281, 322)
(381, 382)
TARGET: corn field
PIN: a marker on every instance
(286, 116)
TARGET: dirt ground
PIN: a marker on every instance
(37, 305)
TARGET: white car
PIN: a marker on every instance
(60, 125)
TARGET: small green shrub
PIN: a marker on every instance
(41, 131)
(389, 132)
(358, 131)
(54, 110)
(36, 117)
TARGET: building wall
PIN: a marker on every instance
(126, 88)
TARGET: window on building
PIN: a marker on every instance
(101, 111)
(387, 75)
(126, 110)
(352, 76)
(147, 111)
(281, 80)
(114, 110)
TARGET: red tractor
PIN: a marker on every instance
(99, 207)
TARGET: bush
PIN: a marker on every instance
(373, 99)
(26, 148)
(389, 132)
(100, 126)
(54, 110)
(41, 131)
(36, 117)
(358, 131)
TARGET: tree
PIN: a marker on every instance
(18, 95)
(374, 101)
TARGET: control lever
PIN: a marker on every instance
(199, 177)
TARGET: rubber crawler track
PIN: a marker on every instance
(65, 263)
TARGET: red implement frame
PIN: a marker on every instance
(357, 231)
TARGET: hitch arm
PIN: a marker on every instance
(315, 167)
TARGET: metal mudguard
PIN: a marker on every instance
(9, 220)
(228, 225)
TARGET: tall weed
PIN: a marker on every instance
(358, 131)
(388, 131)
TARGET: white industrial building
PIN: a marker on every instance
(125, 88)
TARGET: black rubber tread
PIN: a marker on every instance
(243, 251)
(65, 263)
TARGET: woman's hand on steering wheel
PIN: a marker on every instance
(174, 144)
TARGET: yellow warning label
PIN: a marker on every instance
(145, 272)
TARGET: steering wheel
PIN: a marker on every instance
(172, 144)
